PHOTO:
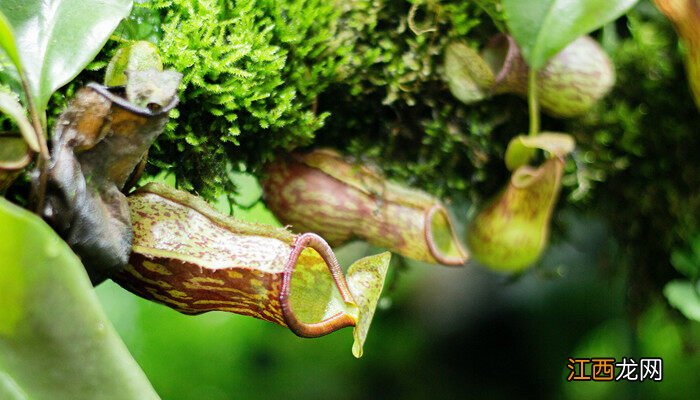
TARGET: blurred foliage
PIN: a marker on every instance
(641, 142)
(687, 260)
(55, 340)
(658, 335)
(684, 294)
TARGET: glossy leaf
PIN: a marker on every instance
(10, 105)
(55, 341)
(544, 27)
(57, 39)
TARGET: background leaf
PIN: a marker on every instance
(57, 39)
(683, 295)
(55, 341)
(544, 27)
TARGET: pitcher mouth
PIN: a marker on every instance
(496, 53)
(442, 239)
(109, 93)
(502, 55)
(314, 246)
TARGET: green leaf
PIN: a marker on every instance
(542, 28)
(11, 106)
(7, 41)
(522, 148)
(57, 39)
(55, 341)
(683, 295)
(366, 280)
(686, 264)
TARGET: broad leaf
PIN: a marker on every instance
(544, 27)
(55, 341)
(10, 80)
(10, 106)
(56, 39)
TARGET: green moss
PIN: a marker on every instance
(252, 71)
(265, 77)
(396, 107)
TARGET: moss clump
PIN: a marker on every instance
(263, 77)
(397, 108)
(252, 71)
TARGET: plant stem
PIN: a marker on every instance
(38, 187)
(533, 102)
